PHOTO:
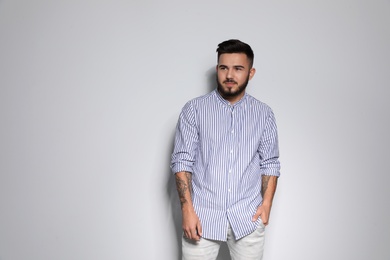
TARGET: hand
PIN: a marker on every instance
(262, 211)
(191, 225)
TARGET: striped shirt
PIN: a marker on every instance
(227, 148)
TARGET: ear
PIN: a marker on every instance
(252, 72)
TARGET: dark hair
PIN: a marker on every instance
(236, 46)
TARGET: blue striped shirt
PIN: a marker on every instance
(227, 148)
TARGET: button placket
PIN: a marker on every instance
(231, 157)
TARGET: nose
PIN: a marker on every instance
(229, 73)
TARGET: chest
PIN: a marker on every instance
(227, 124)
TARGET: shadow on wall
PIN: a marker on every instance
(171, 186)
(211, 76)
(175, 209)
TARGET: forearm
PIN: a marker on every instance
(184, 189)
(268, 188)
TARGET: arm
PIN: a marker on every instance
(183, 159)
(268, 189)
(270, 167)
(191, 225)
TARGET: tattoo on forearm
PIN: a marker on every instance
(189, 181)
(264, 185)
(182, 187)
(265, 181)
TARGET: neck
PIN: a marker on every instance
(233, 98)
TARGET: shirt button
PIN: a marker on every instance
(232, 131)
(229, 190)
(231, 151)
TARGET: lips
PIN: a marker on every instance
(230, 83)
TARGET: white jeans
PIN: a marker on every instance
(249, 247)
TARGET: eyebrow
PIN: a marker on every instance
(234, 66)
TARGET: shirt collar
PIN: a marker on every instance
(227, 103)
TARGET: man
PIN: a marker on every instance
(226, 164)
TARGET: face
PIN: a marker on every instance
(233, 75)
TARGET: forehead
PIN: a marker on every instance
(233, 59)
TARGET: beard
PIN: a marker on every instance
(231, 93)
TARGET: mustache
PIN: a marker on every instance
(229, 81)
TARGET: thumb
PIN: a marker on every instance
(256, 216)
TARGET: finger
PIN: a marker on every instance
(256, 216)
(199, 229)
(194, 235)
(187, 233)
(264, 218)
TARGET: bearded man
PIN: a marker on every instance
(226, 163)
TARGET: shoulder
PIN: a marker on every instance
(204, 98)
(258, 105)
(200, 101)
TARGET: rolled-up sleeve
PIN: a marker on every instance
(269, 148)
(186, 141)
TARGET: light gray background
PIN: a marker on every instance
(90, 92)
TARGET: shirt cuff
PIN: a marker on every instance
(181, 167)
